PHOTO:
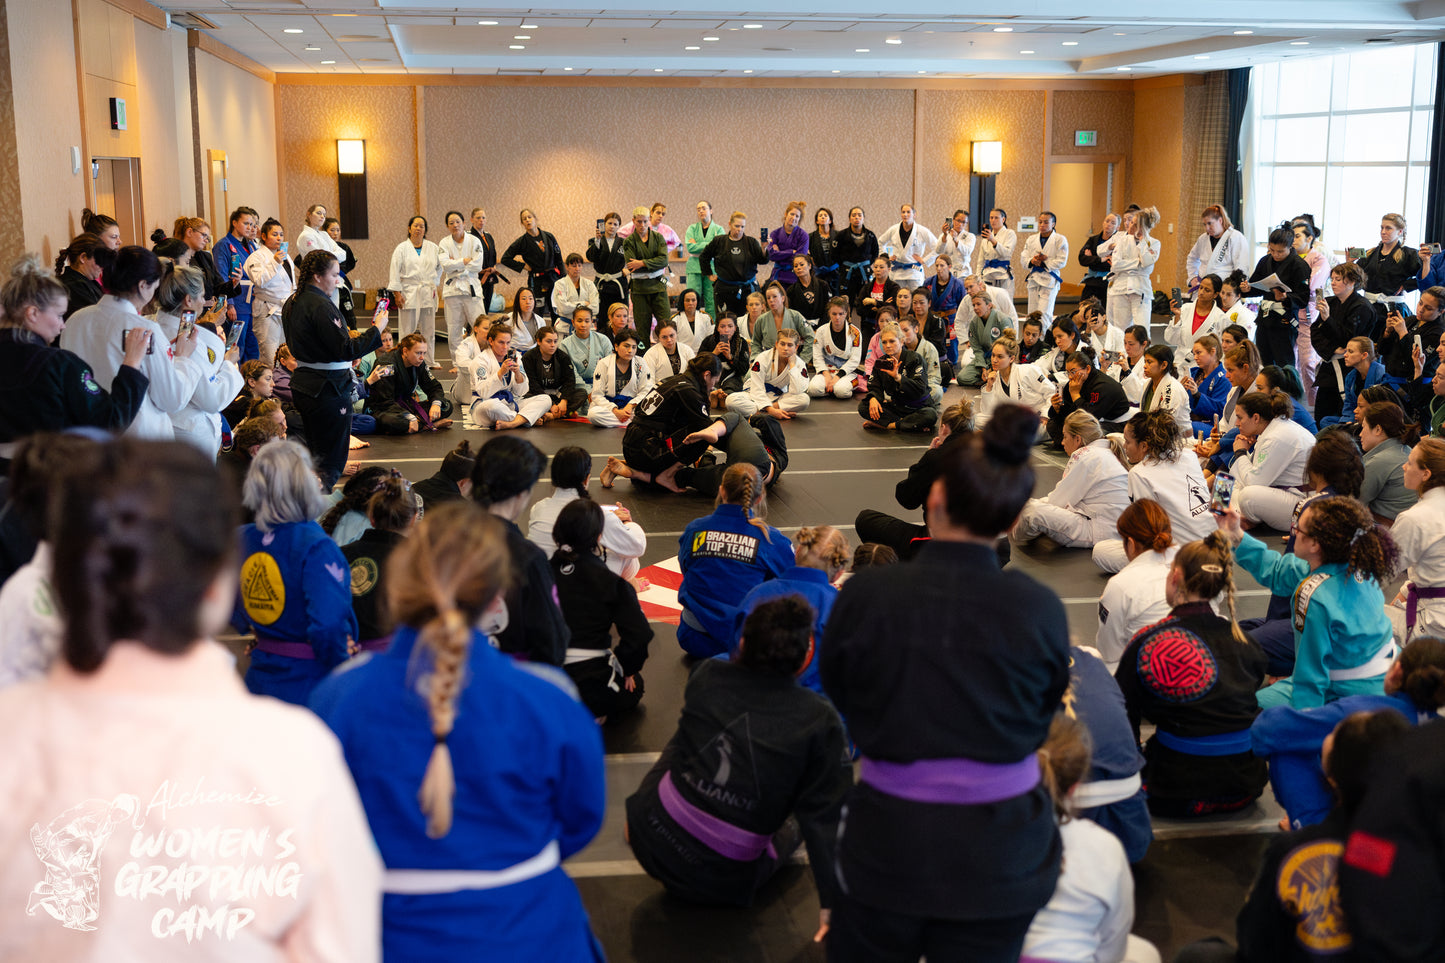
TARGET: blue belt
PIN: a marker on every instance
(747, 285)
(825, 270)
(1089, 275)
(859, 268)
(773, 389)
(1001, 263)
(621, 401)
(905, 265)
(1040, 267)
(1221, 744)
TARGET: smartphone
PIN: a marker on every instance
(600, 222)
(1355, 252)
(383, 304)
(285, 246)
(763, 234)
(221, 303)
(150, 348)
(1175, 296)
(1435, 248)
(1223, 493)
(188, 324)
(387, 370)
(233, 336)
(609, 508)
(1418, 345)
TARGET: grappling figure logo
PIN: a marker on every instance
(70, 847)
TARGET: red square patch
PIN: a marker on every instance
(1370, 853)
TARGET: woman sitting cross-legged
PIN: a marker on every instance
(499, 386)
(898, 396)
(1194, 676)
(594, 599)
(1087, 501)
(757, 765)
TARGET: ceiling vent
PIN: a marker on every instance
(191, 21)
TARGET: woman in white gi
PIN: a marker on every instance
(96, 334)
(777, 382)
(907, 255)
(1131, 254)
(416, 272)
(1272, 449)
(622, 542)
(1085, 504)
(525, 321)
(1007, 381)
(837, 352)
(1220, 250)
(461, 263)
(1194, 319)
(183, 289)
(273, 280)
(1045, 255)
(995, 252)
(466, 359)
(1162, 389)
(1131, 372)
(1164, 472)
(1419, 533)
(1106, 340)
(314, 238)
(499, 392)
(1135, 597)
(693, 324)
(619, 381)
(669, 356)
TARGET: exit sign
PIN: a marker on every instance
(1086, 138)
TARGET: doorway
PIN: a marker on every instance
(1080, 192)
(117, 193)
(216, 192)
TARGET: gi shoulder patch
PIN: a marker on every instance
(87, 382)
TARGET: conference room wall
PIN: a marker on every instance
(236, 113)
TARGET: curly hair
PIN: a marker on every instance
(1346, 532)
(821, 547)
(1157, 432)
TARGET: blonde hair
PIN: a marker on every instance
(30, 283)
(742, 485)
(1009, 341)
(1087, 429)
(1064, 760)
(1208, 569)
(440, 580)
(1148, 217)
(822, 547)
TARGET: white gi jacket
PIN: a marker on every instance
(567, 297)
(1095, 485)
(624, 541)
(792, 380)
(199, 422)
(959, 248)
(458, 280)
(1180, 334)
(660, 366)
(488, 381)
(1170, 396)
(605, 385)
(1180, 489)
(1278, 457)
(827, 356)
(314, 239)
(1133, 599)
(906, 263)
(1027, 385)
(998, 248)
(95, 334)
(1056, 255)
(272, 281)
(30, 623)
(1231, 253)
(1419, 533)
(415, 275)
(1133, 263)
(693, 332)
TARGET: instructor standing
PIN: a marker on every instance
(646, 253)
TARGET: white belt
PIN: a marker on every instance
(1384, 298)
(1378, 665)
(1102, 792)
(610, 277)
(648, 275)
(427, 882)
(582, 655)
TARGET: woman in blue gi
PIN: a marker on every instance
(822, 552)
(1291, 738)
(479, 774)
(295, 590)
(722, 557)
(1343, 640)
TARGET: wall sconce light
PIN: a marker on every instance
(987, 162)
(351, 188)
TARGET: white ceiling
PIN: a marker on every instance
(803, 38)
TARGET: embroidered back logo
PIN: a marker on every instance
(70, 848)
(263, 592)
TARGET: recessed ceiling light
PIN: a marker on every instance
(293, 30)
(528, 26)
(566, 68)
(747, 71)
(657, 70)
(310, 46)
(691, 48)
(328, 62)
(710, 39)
(1070, 43)
(523, 36)
(1025, 51)
(923, 71)
(1299, 43)
(516, 46)
(343, 14)
(485, 23)
(837, 71)
(895, 41)
(1003, 29)
(860, 50)
(1201, 57)
(1243, 33)
(752, 26)
(1123, 68)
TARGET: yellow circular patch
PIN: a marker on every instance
(263, 592)
(1308, 886)
(363, 576)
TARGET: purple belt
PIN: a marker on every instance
(721, 837)
(376, 645)
(1413, 596)
(957, 782)
(291, 650)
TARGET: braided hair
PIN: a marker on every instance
(1207, 568)
(742, 485)
(822, 547)
(355, 495)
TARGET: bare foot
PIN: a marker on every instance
(874, 425)
(412, 427)
(614, 469)
(352, 467)
(356, 443)
(668, 479)
(1284, 824)
(517, 422)
(439, 425)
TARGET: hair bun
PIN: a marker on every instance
(1162, 541)
(1010, 434)
(28, 266)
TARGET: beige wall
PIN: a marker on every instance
(1163, 175)
(47, 123)
(163, 101)
(237, 112)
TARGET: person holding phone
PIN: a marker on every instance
(1194, 319)
(731, 262)
(231, 253)
(393, 399)
(1045, 255)
(733, 351)
(604, 253)
(499, 388)
(696, 238)
(273, 280)
(180, 298)
(324, 348)
(1391, 269)
(1131, 254)
(1343, 315)
(1405, 335)
(897, 397)
(995, 252)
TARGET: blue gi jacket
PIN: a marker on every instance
(1095, 700)
(813, 585)
(528, 765)
(722, 556)
(295, 587)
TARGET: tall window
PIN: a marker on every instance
(1345, 138)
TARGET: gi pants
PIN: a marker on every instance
(486, 412)
(327, 417)
(460, 311)
(905, 418)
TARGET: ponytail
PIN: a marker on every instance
(1064, 760)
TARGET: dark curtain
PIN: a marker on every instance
(1238, 82)
(1435, 201)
